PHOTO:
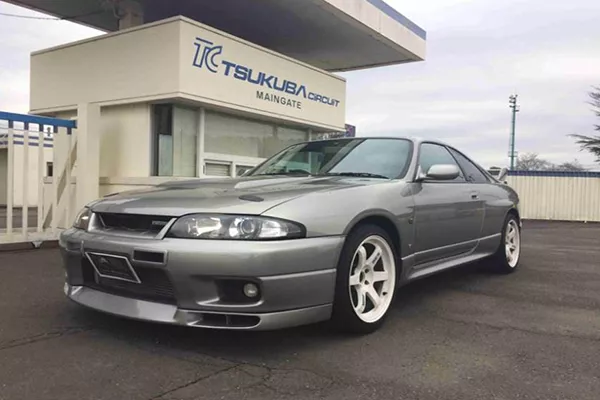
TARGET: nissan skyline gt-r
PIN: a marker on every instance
(323, 230)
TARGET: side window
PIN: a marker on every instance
(432, 154)
(473, 174)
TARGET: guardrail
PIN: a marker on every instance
(33, 148)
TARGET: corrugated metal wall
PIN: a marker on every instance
(565, 196)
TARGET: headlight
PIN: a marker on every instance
(82, 221)
(234, 227)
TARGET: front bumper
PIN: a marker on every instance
(296, 279)
(169, 314)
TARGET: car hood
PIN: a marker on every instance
(246, 195)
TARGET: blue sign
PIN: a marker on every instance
(207, 56)
(350, 131)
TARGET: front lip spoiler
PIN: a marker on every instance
(170, 314)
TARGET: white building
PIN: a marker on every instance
(205, 105)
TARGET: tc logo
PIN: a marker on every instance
(205, 54)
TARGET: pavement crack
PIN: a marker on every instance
(283, 381)
(193, 382)
(42, 337)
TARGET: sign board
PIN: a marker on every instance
(350, 131)
(231, 71)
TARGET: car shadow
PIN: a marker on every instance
(458, 278)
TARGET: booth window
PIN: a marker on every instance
(227, 134)
(232, 144)
(175, 140)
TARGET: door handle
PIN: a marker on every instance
(474, 195)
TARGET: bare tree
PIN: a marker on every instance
(532, 162)
(574, 165)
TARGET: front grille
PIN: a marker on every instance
(143, 224)
(156, 285)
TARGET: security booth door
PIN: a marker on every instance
(448, 214)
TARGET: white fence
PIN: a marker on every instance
(32, 150)
(558, 195)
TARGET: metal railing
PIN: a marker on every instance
(37, 159)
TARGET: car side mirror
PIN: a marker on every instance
(442, 172)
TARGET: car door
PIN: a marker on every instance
(448, 214)
(489, 196)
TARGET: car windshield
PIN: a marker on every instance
(375, 158)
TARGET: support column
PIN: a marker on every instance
(200, 148)
(88, 154)
(130, 14)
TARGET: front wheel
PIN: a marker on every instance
(366, 280)
(507, 257)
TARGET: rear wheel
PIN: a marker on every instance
(507, 257)
(366, 280)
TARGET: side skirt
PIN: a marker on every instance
(486, 247)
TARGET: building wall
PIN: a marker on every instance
(181, 59)
(114, 67)
(125, 140)
(558, 196)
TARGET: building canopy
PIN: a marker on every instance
(335, 35)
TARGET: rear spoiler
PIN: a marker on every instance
(503, 174)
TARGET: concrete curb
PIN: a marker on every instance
(11, 247)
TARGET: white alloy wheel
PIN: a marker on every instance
(372, 279)
(512, 243)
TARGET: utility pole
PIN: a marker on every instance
(515, 109)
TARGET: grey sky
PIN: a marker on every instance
(479, 52)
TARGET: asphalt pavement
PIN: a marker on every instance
(465, 334)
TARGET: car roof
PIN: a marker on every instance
(415, 139)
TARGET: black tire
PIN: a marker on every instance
(344, 317)
(500, 261)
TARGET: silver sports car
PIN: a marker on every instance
(323, 230)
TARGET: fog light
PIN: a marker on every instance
(250, 290)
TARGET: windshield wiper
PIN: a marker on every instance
(357, 174)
